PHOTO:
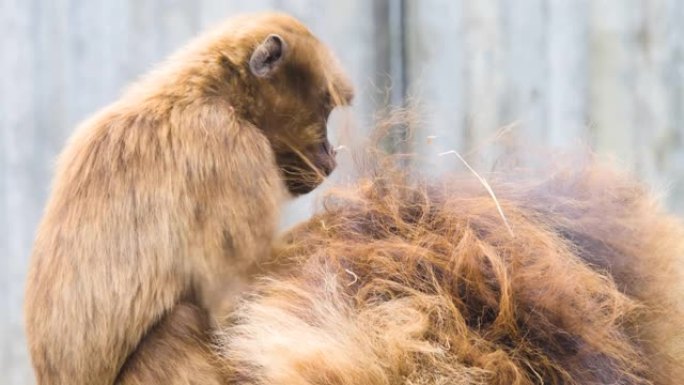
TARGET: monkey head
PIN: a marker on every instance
(299, 87)
(293, 82)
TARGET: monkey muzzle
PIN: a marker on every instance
(325, 158)
(304, 172)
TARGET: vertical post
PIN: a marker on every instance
(612, 79)
(397, 52)
(390, 75)
(435, 75)
(19, 202)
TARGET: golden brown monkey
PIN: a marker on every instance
(171, 193)
(401, 280)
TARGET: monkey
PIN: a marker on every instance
(171, 193)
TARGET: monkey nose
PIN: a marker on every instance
(327, 159)
(328, 165)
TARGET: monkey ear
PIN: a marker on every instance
(268, 56)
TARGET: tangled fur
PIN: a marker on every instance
(406, 280)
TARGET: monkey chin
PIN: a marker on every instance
(298, 188)
(302, 176)
(300, 182)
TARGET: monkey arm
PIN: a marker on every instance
(177, 351)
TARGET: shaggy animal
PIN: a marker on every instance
(400, 280)
(403, 281)
(172, 193)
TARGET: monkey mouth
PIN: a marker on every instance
(300, 175)
(299, 187)
(301, 179)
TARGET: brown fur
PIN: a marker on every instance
(172, 193)
(407, 281)
(182, 338)
(400, 280)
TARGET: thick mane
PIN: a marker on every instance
(401, 279)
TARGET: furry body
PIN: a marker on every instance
(404, 281)
(407, 281)
(172, 193)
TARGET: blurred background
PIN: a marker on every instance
(609, 73)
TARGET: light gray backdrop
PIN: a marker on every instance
(609, 72)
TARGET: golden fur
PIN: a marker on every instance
(171, 193)
(181, 338)
(407, 280)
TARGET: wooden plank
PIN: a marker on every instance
(525, 68)
(389, 78)
(19, 135)
(141, 38)
(483, 80)
(613, 43)
(84, 60)
(434, 70)
(214, 11)
(179, 21)
(51, 102)
(671, 155)
(567, 71)
(652, 129)
(6, 95)
(115, 50)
